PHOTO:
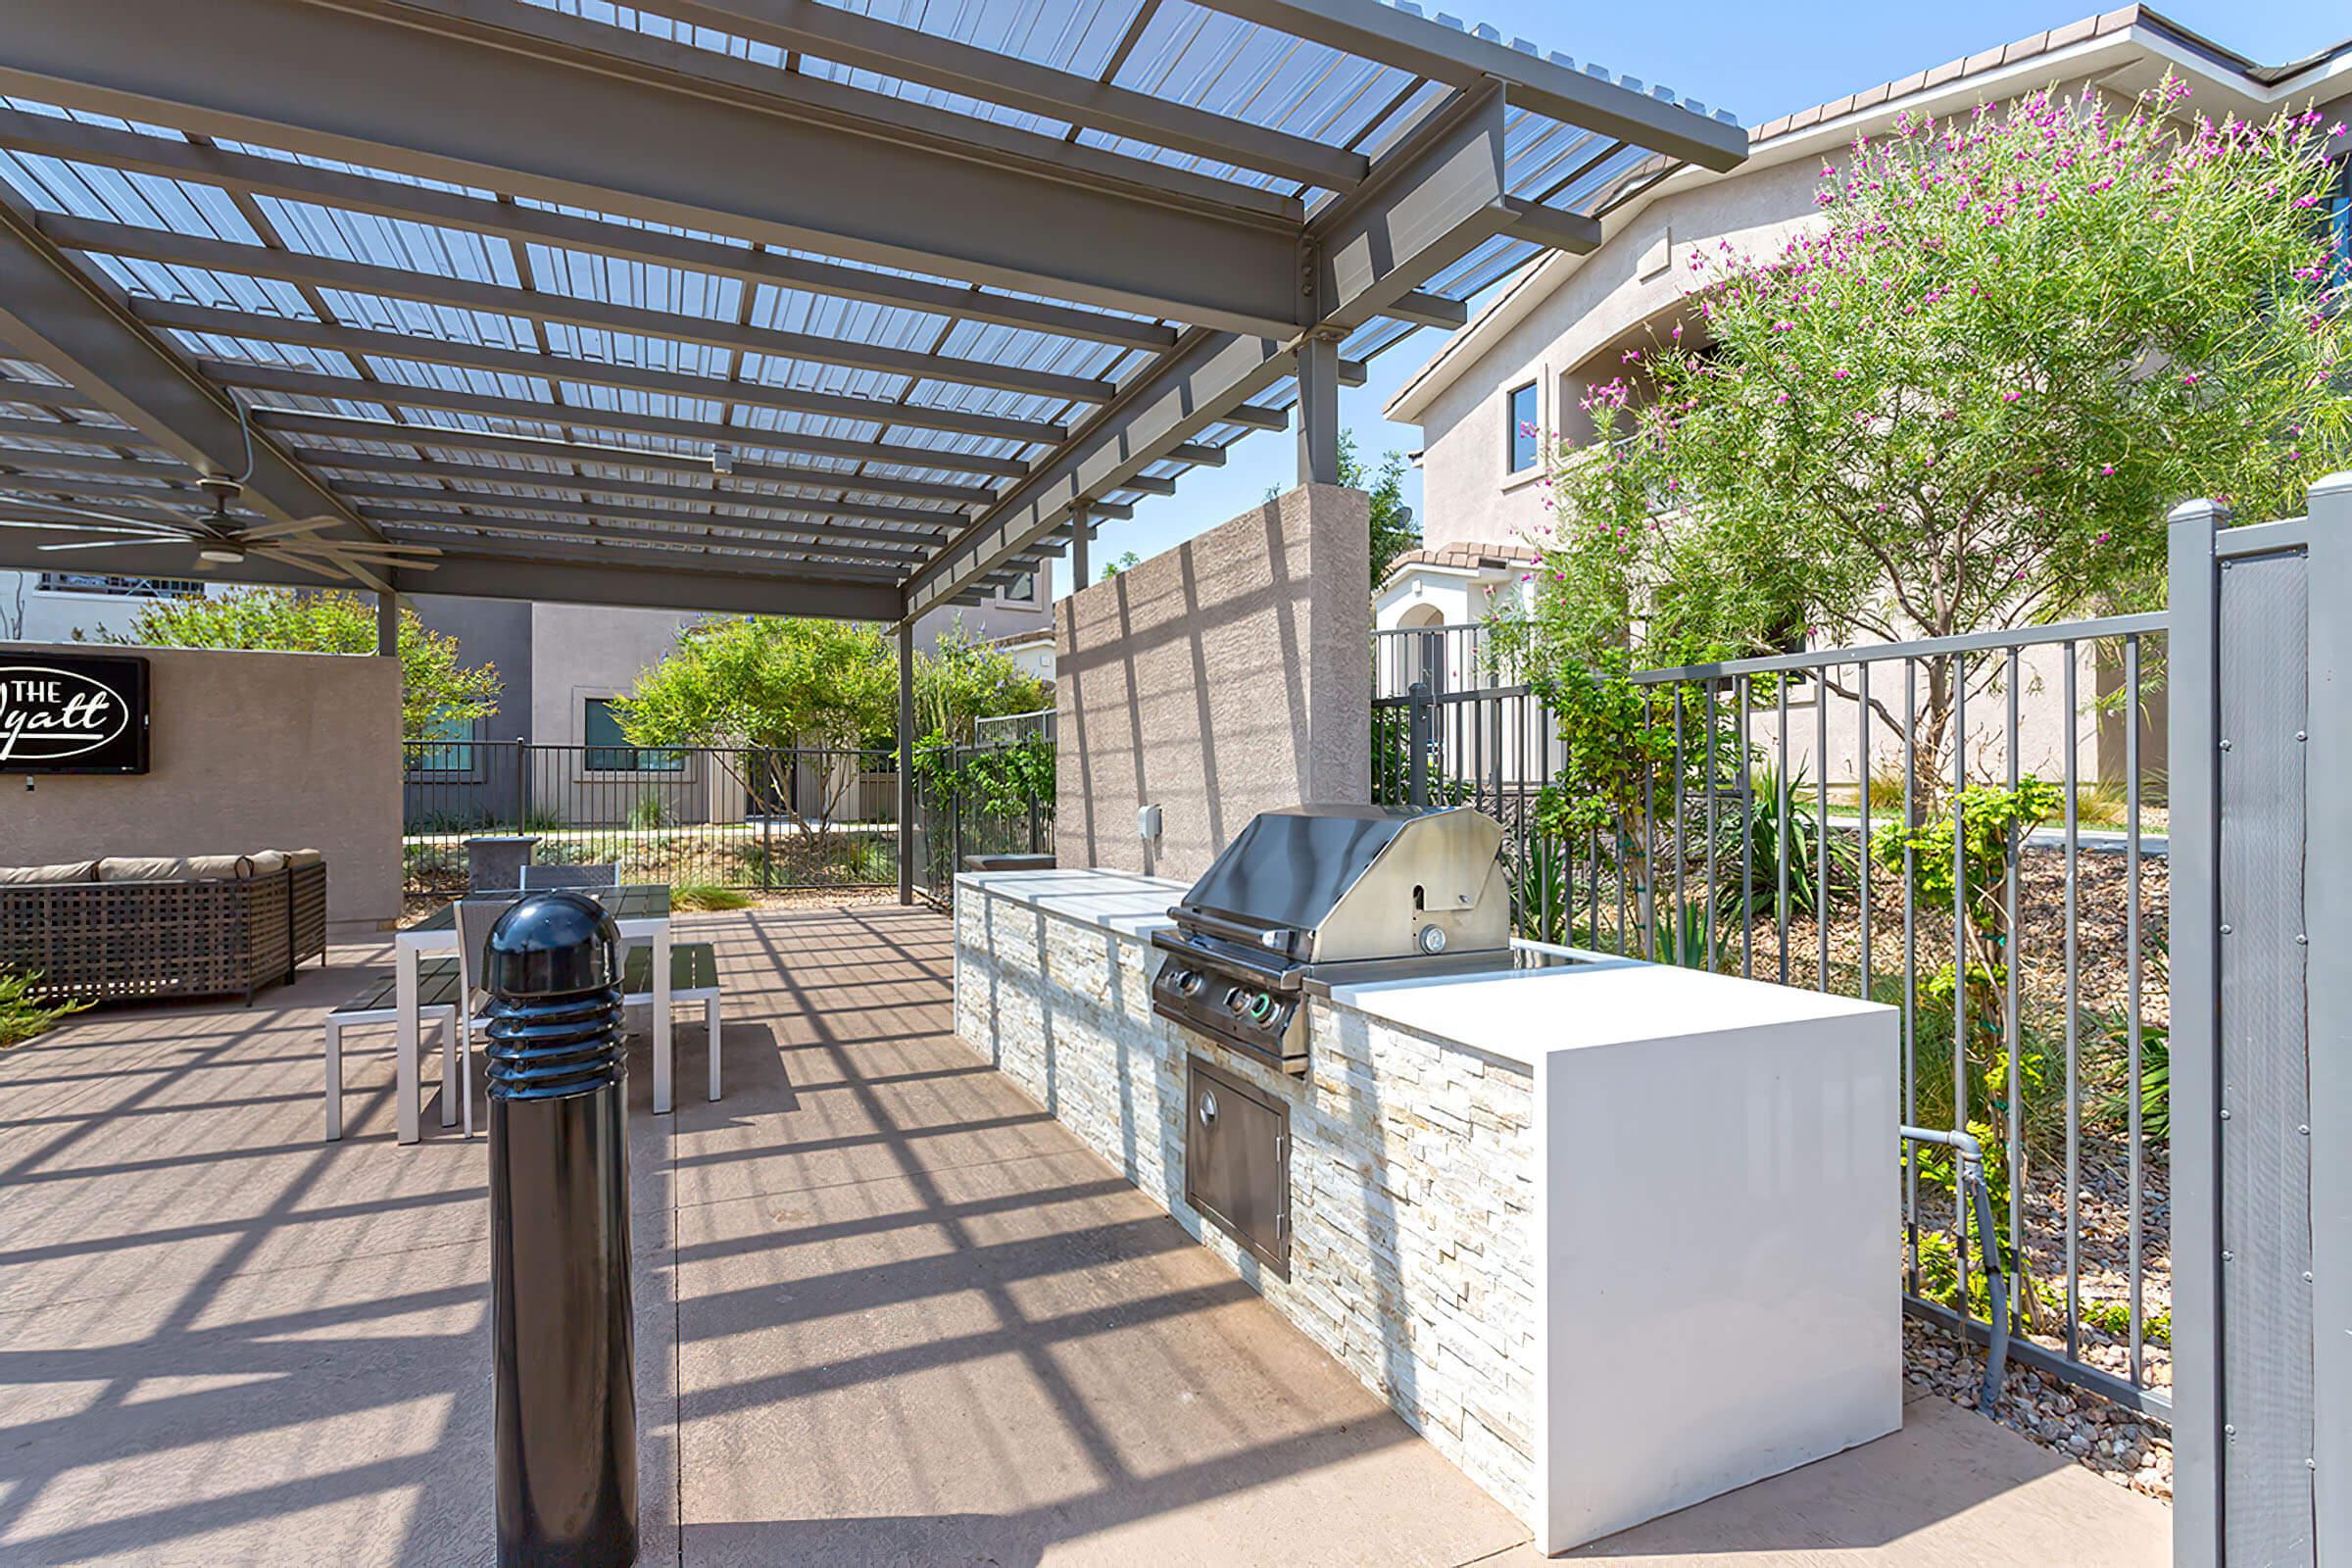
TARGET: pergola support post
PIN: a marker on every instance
(1318, 410)
(387, 623)
(1082, 533)
(906, 760)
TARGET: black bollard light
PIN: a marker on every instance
(562, 1337)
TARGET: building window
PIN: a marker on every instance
(115, 586)
(610, 751)
(2340, 219)
(1022, 590)
(445, 748)
(1520, 438)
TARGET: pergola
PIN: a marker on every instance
(760, 306)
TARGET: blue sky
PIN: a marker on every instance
(1757, 61)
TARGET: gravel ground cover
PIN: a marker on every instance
(2123, 1446)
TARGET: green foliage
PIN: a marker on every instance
(2155, 1078)
(1127, 559)
(647, 811)
(1002, 780)
(764, 681)
(1769, 835)
(1994, 820)
(23, 1013)
(962, 681)
(2115, 1317)
(1393, 530)
(704, 895)
(1967, 399)
(439, 695)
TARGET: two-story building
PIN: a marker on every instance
(1508, 388)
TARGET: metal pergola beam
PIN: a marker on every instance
(1439, 194)
(868, 43)
(1198, 386)
(76, 141)
(398, 393)
(54, 312)
(640, 581)
(358, 427)
(1461, 58)
(594, 117)
(818, 558)
(548, 305)
(817, 522)
(713, 491)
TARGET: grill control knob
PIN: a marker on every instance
(1188, 983)
(1433, 939)
(1237, 1000)
(1261, 1007)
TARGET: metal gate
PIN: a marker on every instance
(2262, 683)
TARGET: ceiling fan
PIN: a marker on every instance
(224, 540)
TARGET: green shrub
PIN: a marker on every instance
(25, 1014)
(1766, 836)
(649, 811)
(704, 895)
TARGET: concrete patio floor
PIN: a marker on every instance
(889, 1312)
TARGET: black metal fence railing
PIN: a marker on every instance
(986, 799)
(1972, 830)
(744, 817)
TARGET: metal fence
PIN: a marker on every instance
(748, 817)
(1809, 822)
(967, 801)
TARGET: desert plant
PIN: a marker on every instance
(1767, 833)
(24, 1013)
(704, 895)
(649, 811)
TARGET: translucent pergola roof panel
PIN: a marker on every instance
(882, 292)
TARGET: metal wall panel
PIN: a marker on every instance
(2265, 1241)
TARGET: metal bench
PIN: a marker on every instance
(693, 977)
(436, 1009)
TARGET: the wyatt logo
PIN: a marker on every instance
(55, 715)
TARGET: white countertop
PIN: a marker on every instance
(1519, 1014)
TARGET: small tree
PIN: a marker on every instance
(772, 684)
(1392, 529)
(1967, 399)
(964, 679)
(438, 691)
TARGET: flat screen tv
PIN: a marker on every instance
(73, 712)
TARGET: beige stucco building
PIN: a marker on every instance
(1512, 381)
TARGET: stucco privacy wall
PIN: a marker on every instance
(1412, 1168)
(246, 750)
(1225, 677)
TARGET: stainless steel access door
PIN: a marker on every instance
(1237, 1162)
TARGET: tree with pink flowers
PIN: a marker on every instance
(1967, 398)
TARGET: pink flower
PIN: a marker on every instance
(1838, 374)
(2106, 468)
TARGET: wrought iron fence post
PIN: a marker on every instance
(522, 769)
(1416, 740)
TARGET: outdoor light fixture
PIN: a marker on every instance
(723, 458)
(225, 555)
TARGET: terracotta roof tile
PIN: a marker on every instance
(1467, 556)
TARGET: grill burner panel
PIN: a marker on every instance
(1323, 896)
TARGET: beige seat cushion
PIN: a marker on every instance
(67, 871)
(266, 862)
(220, 867)
(143, 868)
(299, 858)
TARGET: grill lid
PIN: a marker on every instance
(1324, 884)
(1290, 869)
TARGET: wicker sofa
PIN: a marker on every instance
(137, 929)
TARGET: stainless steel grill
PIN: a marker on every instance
(1305, 900)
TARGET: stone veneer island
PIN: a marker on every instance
(1614, 1237)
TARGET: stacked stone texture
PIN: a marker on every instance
(1412, 1169)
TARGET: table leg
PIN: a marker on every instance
(662, 1059)
(403, 970)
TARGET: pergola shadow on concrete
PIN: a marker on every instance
(760, 306)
